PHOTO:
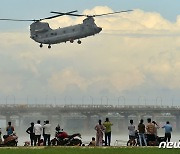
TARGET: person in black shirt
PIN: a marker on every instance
(30, 131)
(141, 130)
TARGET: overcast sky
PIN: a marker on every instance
(134, 60)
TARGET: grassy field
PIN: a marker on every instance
(87, 150)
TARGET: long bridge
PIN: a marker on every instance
(7, 111)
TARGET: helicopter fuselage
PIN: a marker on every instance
(43, 34)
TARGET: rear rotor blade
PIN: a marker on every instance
(110, 13)
(69, 13)
(63, 13)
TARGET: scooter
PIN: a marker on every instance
(10, 140)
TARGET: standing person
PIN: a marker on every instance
(107, 124)
(156, 128)
(0, 136)
(37, 131)
(99, 133)
(150, 128)
(9, 129)
(168, 129)
(132, 136)
(141, 130)
(43, 130)
(30, 131)
(47, 133)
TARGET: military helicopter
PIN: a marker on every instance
(42, 33)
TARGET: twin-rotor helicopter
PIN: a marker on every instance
(42, 33)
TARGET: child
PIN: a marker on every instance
(93, 142)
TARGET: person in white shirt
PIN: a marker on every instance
(38, 132)
(47, 133)
(132, 135)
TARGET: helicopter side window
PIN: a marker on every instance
(64, 31)
(73, 29)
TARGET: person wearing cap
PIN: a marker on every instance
(30, 131)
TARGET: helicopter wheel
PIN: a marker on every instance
(49, 46)
(79, 42)
(41, 45)
(71, 41)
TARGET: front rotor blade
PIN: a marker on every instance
(51, 17)
(18, 20)
(80, 15)
(59, 14)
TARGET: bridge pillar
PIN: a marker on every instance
(177, 122)
(19, 120)
(153, 117)
(50, 118)
(88, 121)
(8, 119)
(126, 120)
(60, 121)
(139, 117)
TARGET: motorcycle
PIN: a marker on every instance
(10, 140)
(136, 142)
(63, 139)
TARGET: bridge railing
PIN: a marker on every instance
(85, 106)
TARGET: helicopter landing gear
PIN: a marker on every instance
(41, 45)
(49, 46)
(71, 41)
(79, 42)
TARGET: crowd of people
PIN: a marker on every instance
(35, 131)
(146, 134)
(150, 131)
